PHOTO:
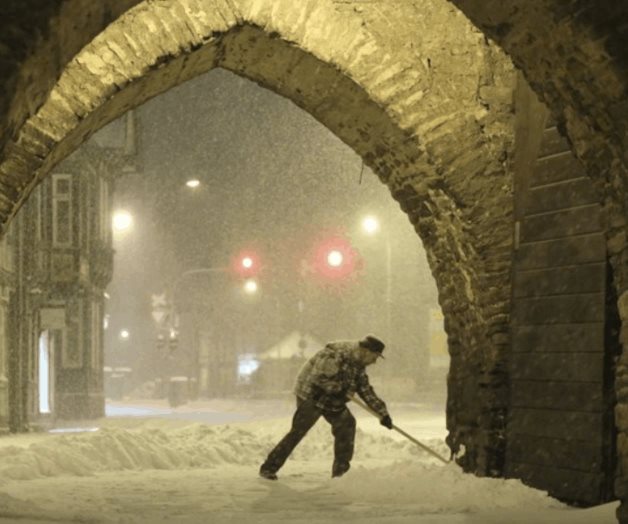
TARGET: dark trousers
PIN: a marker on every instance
(306, 415)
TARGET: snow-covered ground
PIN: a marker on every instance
(198, 463)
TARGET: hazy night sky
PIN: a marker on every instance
(275, 180)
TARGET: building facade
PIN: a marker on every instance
(64, 260)
(55, 264)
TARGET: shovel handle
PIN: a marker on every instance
(399, 430)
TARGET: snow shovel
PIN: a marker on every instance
(398, 430)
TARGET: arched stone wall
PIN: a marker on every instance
(574, 58)
(442, 147)
(573, 55)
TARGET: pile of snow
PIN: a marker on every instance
(432, 488)
(410, 477)
(12, 507)
(115, 449)
(191, 446)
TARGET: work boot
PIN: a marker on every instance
(339, 469)
(267, 474)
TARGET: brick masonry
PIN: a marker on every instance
(573, 55)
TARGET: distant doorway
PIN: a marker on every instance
(46, 373)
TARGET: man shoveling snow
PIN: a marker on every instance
(323, 387)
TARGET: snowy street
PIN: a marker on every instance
(186, 467)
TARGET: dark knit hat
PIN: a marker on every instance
(373, 343)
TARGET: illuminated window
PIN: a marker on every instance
(247, 365)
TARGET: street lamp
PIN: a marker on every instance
(122, 220)
(370, 224)
(250, 287)
(193, 183)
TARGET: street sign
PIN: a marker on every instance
(159, 301)
(159, 315)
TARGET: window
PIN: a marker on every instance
(61, 210)
(103, 210)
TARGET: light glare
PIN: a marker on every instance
(193, 182)
(122, 220)
(334, 258)
(370, 224)
(250, 286)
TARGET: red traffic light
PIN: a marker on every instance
(335, 258)
(246, 264)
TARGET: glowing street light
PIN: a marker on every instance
(250, 287)
(335, 258)
(122, 220)
(370, 225)
(193, 183)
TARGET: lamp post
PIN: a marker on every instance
(189, 272)
(371, 226)
(249, 287)
(168, 334)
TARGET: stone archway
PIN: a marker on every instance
(583, 79)
(582, 76)
(442, 151)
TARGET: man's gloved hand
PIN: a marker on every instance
(386, 422)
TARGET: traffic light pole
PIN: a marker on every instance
(173, 287)
(198, 271)
(170, 343)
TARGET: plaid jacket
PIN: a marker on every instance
(332, 375)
